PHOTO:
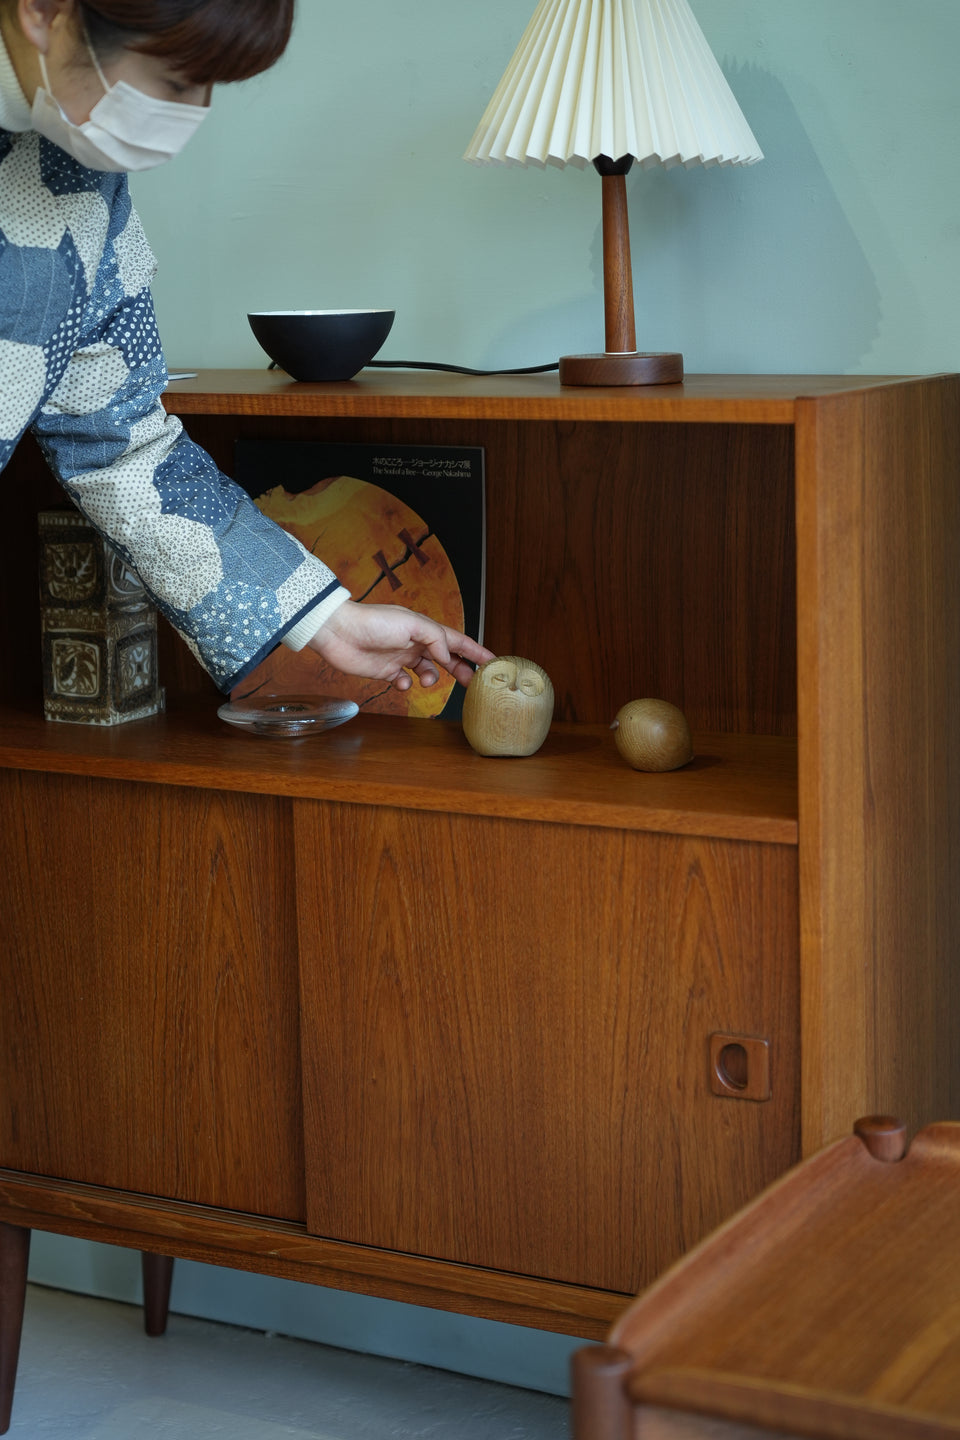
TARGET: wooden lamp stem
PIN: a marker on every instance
(621, 363)
(620, 335)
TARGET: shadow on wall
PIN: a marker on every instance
(743, 270)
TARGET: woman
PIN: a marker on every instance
(89, 91)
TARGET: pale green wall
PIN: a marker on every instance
(335, 180)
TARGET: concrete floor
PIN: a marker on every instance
(88, 1372)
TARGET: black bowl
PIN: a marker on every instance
(321, 344)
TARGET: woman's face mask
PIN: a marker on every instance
(127, 130)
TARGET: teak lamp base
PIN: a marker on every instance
(639, 368)
(621, 363)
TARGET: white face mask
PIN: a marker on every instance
(127, 129)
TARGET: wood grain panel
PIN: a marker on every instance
(148, 1032)
(628, 560)
(654, 560)
(879, 640)
(506, 1032)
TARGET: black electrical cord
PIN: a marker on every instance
(456, 369)
(462, 369)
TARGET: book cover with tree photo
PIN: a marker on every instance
(399, 524)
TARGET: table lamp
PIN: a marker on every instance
(608, 82)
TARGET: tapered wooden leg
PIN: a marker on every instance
(157, 1277)
(600, 1408)
(14, 1253)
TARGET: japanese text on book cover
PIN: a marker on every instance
(399, 524)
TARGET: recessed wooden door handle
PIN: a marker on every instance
(740, 1066)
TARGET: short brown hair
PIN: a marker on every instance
(210, 41)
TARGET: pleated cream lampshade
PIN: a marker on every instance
(610, 82)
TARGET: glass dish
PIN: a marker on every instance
(287, 716)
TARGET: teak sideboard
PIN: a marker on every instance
(508, 1036)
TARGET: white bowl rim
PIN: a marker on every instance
(255, 313)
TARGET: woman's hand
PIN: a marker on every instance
(385, 642)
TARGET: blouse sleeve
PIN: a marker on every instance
(231, 581)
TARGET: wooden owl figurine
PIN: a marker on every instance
(508, 707)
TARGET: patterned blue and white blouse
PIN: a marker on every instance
(81, 364)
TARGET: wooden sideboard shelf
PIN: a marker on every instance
(421, 395)
(737, 787)
(369, 1010)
